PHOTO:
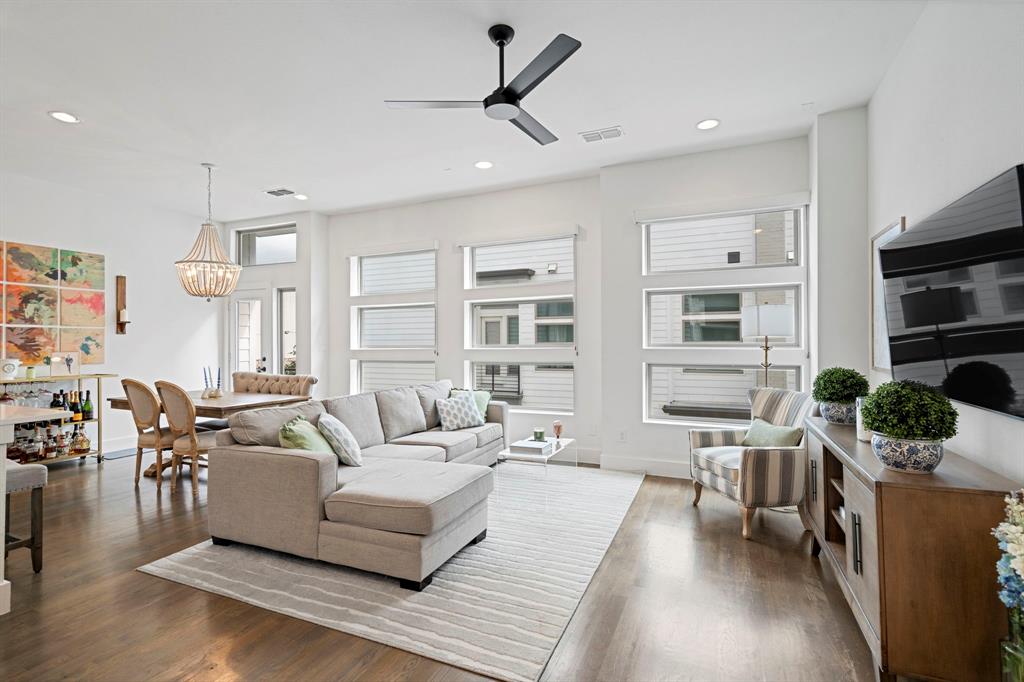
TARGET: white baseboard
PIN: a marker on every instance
(670, 468)
(5, 597)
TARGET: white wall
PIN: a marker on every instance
(171, 335)
(949, 116)
(530, 212)
(717, 181)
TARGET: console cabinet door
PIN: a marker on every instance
(814, 495)
(862, 547)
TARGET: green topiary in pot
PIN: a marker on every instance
(836, 389)
(909, 420)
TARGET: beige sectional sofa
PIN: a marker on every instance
(420, 496)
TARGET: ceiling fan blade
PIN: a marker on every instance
(529, 125)
(549, 59)
(432, 104)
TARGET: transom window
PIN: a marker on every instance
(526, 262)
(395, 273)
(266, 245)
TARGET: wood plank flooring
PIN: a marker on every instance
(679, 596)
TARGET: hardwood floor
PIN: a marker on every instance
(679, 596)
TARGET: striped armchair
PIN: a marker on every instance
(754, 477)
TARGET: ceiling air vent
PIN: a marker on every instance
(282, 192)
(602, 134)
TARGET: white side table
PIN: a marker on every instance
(561, 445)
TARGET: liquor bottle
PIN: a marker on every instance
(55, 404)
(63, 400)
(87, 407)
(76, 407)
(49, 443)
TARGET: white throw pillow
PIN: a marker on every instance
(341, 439)
(459, 412)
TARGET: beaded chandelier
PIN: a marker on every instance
(206, 271)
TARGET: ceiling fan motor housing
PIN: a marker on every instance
(501, 105)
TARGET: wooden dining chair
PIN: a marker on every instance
(145, 408)
(189, 443)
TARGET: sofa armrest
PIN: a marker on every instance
(772, 477)
(497, 412)
(270, 497)
(709, 438)
(224, 437)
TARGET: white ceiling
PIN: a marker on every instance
(289, 94)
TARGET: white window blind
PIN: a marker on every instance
(397, 327)
(377, 375)
(537, 386)
(695, 392)
(397, 273)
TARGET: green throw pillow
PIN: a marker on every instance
(764, 435)
(481, 398)
(299, 434)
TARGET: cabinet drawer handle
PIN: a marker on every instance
(814, 481)
(858, 559)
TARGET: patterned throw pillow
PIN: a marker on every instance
(459, 412)
(481, 398)
(299, 434)
(341, 440)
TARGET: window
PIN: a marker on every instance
(249, 334)
(1011, 267)
(702, 393)
(267, 245)
(377, 375)
(547, 387)
(397, 272)
(545, 260)
(1013, 297)
(396, 327)
(287, 340)
(690, 317)
(523, 324)
(742, 240)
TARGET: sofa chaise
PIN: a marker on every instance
(420, 496)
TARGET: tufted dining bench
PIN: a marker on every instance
(258, 382)
(26, 477)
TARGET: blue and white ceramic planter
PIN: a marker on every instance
(839, 413)
(908, 456)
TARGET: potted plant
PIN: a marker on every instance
(909, 420)
(836, 389)
(1009, 570)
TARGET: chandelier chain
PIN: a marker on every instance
(209, 194)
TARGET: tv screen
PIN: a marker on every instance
(954, 297)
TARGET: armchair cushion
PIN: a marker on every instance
(722, 461)
(763, 434)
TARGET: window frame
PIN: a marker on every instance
(476, 313)
(264, 231)
(357, 367)
(798, 314)
(540, 366)
(357, 326)
(470, 261)
(357, 273)
(800, 232)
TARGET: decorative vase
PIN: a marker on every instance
(1013, 648)
(839, 413)
(862, 433)
(907, 456)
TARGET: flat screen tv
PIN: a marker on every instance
(954, 297)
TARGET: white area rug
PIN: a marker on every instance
(497, 608)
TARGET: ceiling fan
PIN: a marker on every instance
(504, 104)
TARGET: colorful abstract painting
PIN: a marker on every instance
(88, 342)
(81, 309)
(82, 270)
(30, 305)
(29, 264)
(30, 344)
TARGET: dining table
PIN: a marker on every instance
(222, 407)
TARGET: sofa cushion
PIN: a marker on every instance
(723, 461)
(486, 434)
(341, 440)
(480, 397)
(400, 412)
(428, 394)
(412, 497)
(299, 434)
(455, 443)
(360, 414)
(260, 427)
(459, 412)
(426, 453)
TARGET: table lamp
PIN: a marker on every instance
(765, 320)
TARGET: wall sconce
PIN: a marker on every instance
(121, 304)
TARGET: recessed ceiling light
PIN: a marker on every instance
(484, 165)
(301, 197)
(708, 124)
(65, 117)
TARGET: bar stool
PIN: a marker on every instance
(26, 477)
